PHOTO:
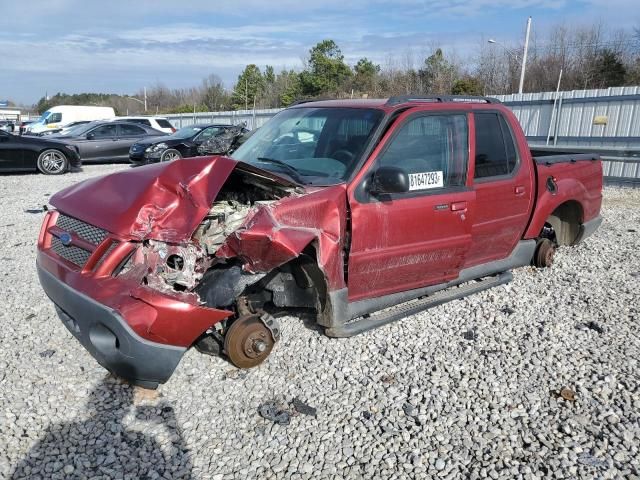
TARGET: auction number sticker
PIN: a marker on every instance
(424, 180)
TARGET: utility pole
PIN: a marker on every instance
(246, 93)
(524, 56)
(145, 99)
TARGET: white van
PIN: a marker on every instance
(58, 117)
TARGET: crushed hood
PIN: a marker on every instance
(165, 201)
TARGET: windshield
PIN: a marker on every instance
(185, 132)
(80, 129)
(322, 144)
(43, 117)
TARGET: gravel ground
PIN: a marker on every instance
(474, 389)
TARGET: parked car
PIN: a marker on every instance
(24, 124)
(184, 143)
(23, 153)
(7, 126)
(62, 131)
(107, 141)
(341, 209)
(157, 123)
(62, 115)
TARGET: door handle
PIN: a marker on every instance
(459, 206)
(519, 190)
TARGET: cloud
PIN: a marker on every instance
(74, 45)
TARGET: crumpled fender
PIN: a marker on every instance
(279, 232)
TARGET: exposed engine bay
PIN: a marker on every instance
(195, 270)
(180, 267)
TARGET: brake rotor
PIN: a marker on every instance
(248, 342)
(544, 253)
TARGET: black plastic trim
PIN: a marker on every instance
(401, 99)
(563, 158)
(108, 338)
(588, 228)
(520, 256)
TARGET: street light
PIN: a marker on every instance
(524, 55)
(506, 49)
(142, 102)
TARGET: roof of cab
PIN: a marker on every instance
(392, 103)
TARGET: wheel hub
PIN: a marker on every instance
(248, 342)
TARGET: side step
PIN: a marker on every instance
(388, 315)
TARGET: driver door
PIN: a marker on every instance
(403, 241)
(99, 143)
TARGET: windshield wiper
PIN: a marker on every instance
(293, 173)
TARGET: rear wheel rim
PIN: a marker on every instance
(52, 161)
(545, 253)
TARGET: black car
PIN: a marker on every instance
(183, 143)
(107, 140)
(52, 157)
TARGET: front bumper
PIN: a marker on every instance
(141, 157)
(108, 337)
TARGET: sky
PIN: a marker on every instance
(117, 46)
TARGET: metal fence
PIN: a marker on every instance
(605, 121)
(253, 118)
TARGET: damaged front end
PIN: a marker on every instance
(205, 251)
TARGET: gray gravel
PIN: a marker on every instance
(418, 398)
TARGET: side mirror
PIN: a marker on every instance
(91, 136)
(389, 180)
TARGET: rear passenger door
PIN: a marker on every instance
(404, 241)
(127, 136)
(504, 187)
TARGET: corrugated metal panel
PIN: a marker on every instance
(254, 119)
(576, 111)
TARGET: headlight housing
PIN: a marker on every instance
(157, 147)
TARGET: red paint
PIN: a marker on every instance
(279, 233)
(395, 245)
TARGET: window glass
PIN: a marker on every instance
(54, 117)
(164, 123)
(131, 130)
(323, 145)
(495, 151)
(432, 149)
(106, 131)
(208, 133)
(512, 156)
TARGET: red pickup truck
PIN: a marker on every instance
(358, 212)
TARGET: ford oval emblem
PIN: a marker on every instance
(65, 238)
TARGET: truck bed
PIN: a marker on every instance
(571, 180)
